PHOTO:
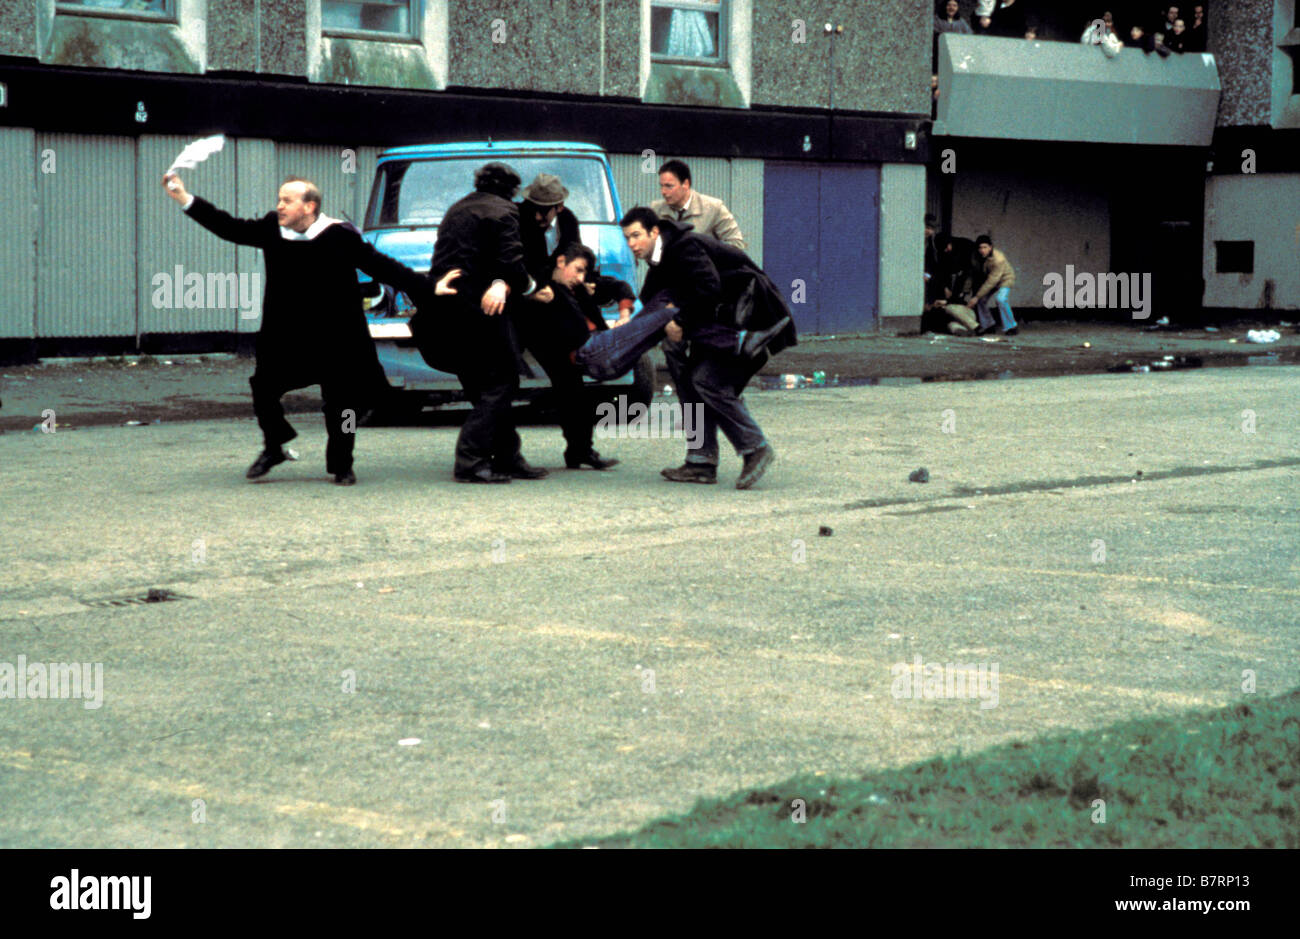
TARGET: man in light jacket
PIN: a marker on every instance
(705, 214)
(999, 278)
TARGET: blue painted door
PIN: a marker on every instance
(821, 240)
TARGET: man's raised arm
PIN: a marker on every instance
(243, 231)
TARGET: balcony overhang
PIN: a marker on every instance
(1019, 89)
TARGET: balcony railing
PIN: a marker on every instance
(1018, 89)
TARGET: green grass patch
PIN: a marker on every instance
(1216, 779)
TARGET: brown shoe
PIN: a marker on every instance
(691, 473)
(756, 465)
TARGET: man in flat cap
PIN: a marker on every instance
(541, 319)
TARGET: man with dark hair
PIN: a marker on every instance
(1197, 40)
(479, 236)
(702, 275)
(707, 215)
(314, 329)
(552, 331)
(999, 278)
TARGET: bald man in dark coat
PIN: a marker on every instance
(314, 329)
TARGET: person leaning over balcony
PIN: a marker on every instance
(314, 329)
(681, 203)
(1196, 37)
(1009, 20)
(1177, 39)
(950, 21)
(999, 278)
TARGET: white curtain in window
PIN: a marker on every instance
(689, 35)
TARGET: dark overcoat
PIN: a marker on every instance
(314, 328)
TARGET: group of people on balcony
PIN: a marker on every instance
(1169, 33)
(1165, 33)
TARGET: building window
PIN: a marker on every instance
(371, 18)
(692, 31)
(144, 9)
(1234, 257)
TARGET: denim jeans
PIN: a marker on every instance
(715, 382)
(1000, 297)
(612, 352)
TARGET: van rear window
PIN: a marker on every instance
(417, 193)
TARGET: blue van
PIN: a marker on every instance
(415, 185)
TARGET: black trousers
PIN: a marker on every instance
(490, 376)
(574, 407)
(341, 409)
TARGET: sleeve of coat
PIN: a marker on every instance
(697, 286)
(993, 276)
(242, 231)
(727, 229)
(394, 273)
(510, 256)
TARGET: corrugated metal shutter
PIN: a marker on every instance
(173, 248)
(86, 241)
(746, 203)
(17, 252)
(335, 169)
(257, 183)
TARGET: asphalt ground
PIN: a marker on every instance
(113, 391)
(578, 655)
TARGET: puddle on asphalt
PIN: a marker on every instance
(1140, 365)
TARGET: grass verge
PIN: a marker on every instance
(1207, 779)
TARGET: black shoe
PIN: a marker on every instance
(756, 465)
(592, 459)
(982, 330)
(267, 459)
(691, 473)
(345, 479)
(482, 475)
(522, 469)
(1013, 331)
(753, 343)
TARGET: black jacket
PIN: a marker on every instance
(313, 325)
(706, 277)
(537, 259)
(962, 269)
(480, 235)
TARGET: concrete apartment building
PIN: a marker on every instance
(821, 141)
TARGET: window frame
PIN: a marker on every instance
(722, 8)
(170, 13)
(415, 14)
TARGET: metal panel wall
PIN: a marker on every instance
(19, 165)
(172, 248)
(902, 254)
(256, 183)
(746, 203)
(335, 169)
(85, 247)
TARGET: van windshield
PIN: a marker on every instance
(417, 193)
